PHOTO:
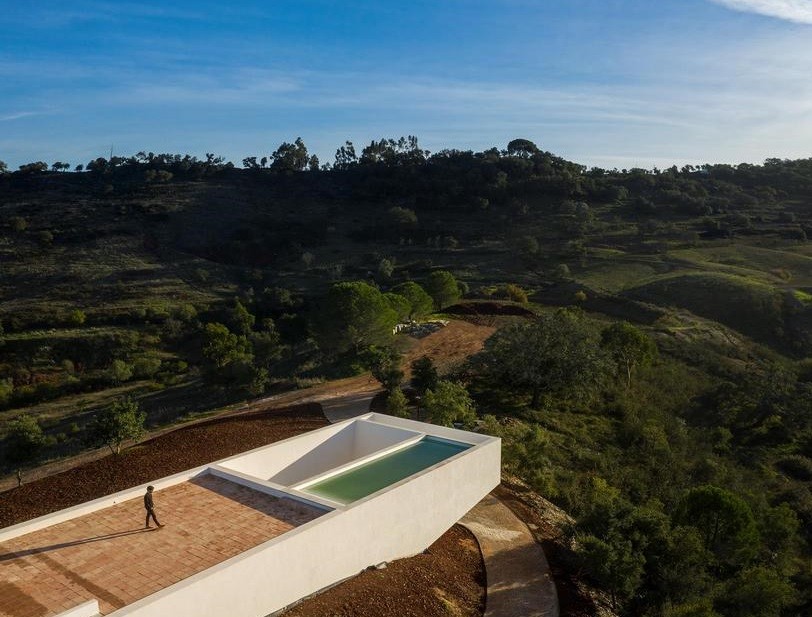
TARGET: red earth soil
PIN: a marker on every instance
(447, 579)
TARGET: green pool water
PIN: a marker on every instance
(373, 476)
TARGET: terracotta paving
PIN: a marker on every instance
(109, 556)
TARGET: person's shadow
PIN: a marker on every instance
(54, 547)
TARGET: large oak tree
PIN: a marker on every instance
(558, 354)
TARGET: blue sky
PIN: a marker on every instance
(615, 83)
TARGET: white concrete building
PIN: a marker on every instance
(317, 508)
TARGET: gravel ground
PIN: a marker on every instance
(447, 579)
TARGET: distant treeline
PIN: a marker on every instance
(518, 173)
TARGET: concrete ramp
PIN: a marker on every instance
(519, 580)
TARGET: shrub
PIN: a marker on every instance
(562, 272)
(527, 245)
(424, 375)
(278, 298)
(146, 366)
(18, 224)
(384, 364)
(396, 404)
(796, 466)
(24, 441)
(120, 371)
(516, 293)
(449, 402)
(6, 390)
(157, 314)
(420, 302)
(76, 318)
(45, 238)
(402, 217)
(443, 288)
(186, 313)
(385, 269)
(115, 424)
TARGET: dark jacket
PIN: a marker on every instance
(148, 503)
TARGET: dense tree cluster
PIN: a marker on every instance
(663, 520)
(516, 177)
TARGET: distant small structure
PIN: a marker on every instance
(419, 329)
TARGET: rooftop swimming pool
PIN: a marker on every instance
(371, 477)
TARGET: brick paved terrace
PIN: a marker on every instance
(109, 556)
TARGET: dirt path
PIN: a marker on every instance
(447, 346)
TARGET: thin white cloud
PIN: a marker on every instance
(17, 115)
(799, 11)
(57, 17)
(245, 87)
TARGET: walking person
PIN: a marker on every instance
(149, 504)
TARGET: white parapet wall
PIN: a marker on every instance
(397, 521)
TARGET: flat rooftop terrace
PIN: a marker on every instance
(109, 556)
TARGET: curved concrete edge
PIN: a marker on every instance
(519, 581)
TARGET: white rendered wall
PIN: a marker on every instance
(267, 461)
(431, 429)
(358, 440)
(400, 521)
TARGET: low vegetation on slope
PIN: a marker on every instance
(749, 306)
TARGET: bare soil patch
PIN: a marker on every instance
(488, 309)
(450, 345)
(447, 579)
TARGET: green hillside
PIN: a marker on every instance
(186, 284)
